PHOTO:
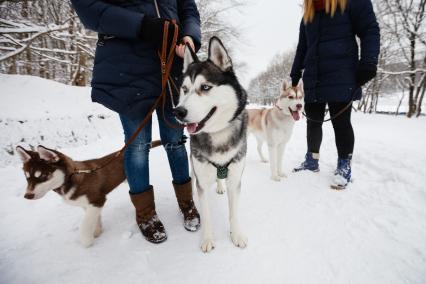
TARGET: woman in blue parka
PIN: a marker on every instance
(334, 69)
(127, 79)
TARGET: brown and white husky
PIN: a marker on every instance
(49, 170)
(275, 126)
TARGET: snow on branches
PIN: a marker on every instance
(265, 87)
(44, 38)
(16, 45)
(403, 52)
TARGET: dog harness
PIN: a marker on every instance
(221, 171)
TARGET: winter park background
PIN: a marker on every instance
(299, 230)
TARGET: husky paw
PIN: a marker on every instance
(276, 178)
(264, 160)
(283, 174)
(207, 245)
(239, 240)
(98, 231)
(220, 189)
(87, 241)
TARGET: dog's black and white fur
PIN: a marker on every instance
(212, 105)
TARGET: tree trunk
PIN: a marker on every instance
(81, 76)
(420, 101)
(400, 102)
(411, 102)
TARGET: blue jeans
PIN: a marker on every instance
(136, 157)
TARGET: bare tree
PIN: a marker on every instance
(402, 62)
(264, 88)
(403, 24)
(215, 21)
(45, 37)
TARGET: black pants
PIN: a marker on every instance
(343, 131)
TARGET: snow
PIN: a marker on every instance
(299, 230)
(37, 111)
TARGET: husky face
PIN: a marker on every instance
(210, 96)
(42, 170)
(291, 100)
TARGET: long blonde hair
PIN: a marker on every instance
(330, 8)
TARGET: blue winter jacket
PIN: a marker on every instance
(328, 52)
(126, 73)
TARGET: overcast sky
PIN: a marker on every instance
(268, 27)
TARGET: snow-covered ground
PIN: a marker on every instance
(299, 230)
(388, 103)
(37, 111)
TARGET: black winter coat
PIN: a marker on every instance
(126, 73)
(329, 54)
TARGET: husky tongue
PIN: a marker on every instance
(296, 115)
(192, 127)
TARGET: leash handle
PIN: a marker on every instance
(169, 78)
(166, 74)
(166, 61)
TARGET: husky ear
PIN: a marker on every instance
(23, 154)
(47, 154)
(286, 85)
(300, 86)
(218, 54)
(189, 57)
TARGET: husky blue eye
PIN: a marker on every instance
(205, 87)
(184, 89)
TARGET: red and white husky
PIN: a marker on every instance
(49, 170)
(275, 126)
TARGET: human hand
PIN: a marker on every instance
(152, 30)
(365, 73)
(180, 49)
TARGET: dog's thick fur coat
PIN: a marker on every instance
(48, 170)
(275, 126)
(212, 104)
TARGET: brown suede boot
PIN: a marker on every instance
(191, 218)
(146, 217)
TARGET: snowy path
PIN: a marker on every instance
(299, 230)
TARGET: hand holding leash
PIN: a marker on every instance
(152, 31)
(180, 49)
(365, 73)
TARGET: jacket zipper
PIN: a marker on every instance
(157, 9)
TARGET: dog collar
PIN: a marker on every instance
(67, 184)
(59, 190)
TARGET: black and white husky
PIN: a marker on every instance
(212, 105)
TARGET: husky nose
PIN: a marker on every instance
(180, 112)
(29, 195)
(299, 106)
